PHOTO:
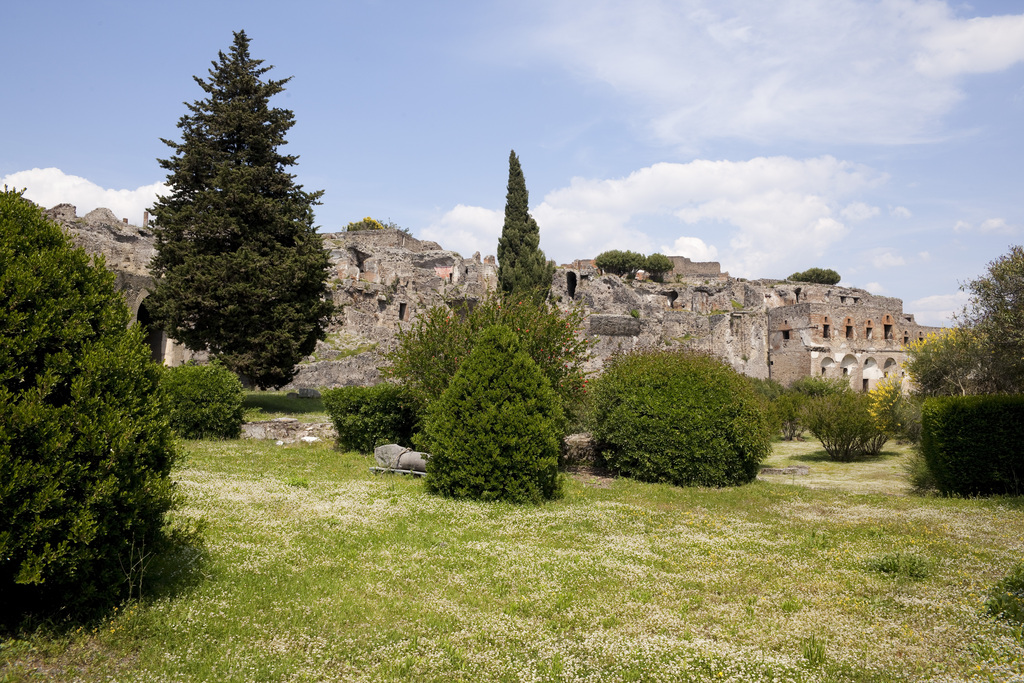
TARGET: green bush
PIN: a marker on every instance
(429, 354)
(494, 433)
(972, 444)
(85, 447)
(204, 401)
(366, 417)
(813, 387)
(1006, 599)
(789, 410)
(681, 418)
(623, 263)
(823, 276)
(843, 425)
(657, 265)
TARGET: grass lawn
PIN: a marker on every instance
(268, 405)
(316, 570)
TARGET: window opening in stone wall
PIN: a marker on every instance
(401, 311)
(785, 334)
(826, 332)
(864, 386)
(570, 284)
(869, 332)
(797, 292)
(888, 331)
(849, 331)
(906, 337)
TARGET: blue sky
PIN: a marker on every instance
(881, 138)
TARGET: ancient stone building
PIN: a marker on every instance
(382, 280)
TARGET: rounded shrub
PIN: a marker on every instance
(366, 417)
(494, 432)
(843, 424)
(680, 417)
(85, 446)
(204, 401)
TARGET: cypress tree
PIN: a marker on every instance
(521, 264)
(240, 268)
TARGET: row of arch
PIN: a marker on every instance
(869, 371)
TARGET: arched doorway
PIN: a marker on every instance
(826, 365)
(155, 338)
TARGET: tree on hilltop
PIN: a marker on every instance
(240, 268)
(820, 276)
(521, 264)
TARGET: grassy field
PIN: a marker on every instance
(314, 569)
(268, 405)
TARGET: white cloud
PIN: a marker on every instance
(900, 212)
(938, 309)
(924, 256)
(884, 71)
(988, 226)
(886, 259)
(875, 288)
(51, 186)
(467, 229)
(776, 214)
(978, 45)
(859, 211)
(692, 248)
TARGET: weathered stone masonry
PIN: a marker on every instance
(382, 280)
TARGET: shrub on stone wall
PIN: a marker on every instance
(681, 418)
(494, 433)
(972, 444)
(204, 401)
(85, 447)
(366, 417)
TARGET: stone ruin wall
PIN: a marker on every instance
(382, 280)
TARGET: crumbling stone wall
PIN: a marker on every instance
(382, 280)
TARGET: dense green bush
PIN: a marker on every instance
(679, 417)
(85, 447)
(790, 409)
(429, 354)
(813, 387)
(494, 432)
(972, 444)
(1006, 599)
(204, 401)
(823, 276)
(616, 262)
(843, 424)
(657, 265)
(366, 417)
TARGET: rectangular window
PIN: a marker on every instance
(849, 331)
(865, 385)
(869, 333)
(401, 311)
(785, 334)
(825, 331)
(888, 331)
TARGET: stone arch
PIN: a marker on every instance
(870, 375)
(155, 337)
(827, 365)
(848, 364)
(889, 367)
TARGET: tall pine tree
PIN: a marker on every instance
(240, 268)
(521, 264)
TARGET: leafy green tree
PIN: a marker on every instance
(957, 361)
(430, 353)
(821, 276)
(494, 432)
(996, 312)
(657, 265)
(521, 264)
(85, 446)
(240, 268)
(622, 263)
